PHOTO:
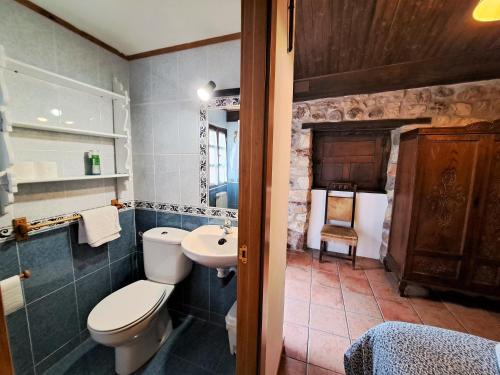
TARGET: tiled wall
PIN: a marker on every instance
(34, 39)
(201, 293)
(68, 280)
(165, 118)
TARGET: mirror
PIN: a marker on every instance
(223, 127)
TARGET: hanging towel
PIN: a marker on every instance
(99, 226)
(12, 294)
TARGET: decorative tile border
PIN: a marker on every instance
(188, 210)
(6, 232)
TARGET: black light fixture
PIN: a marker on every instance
(206, 91)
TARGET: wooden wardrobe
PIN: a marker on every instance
(445, 230)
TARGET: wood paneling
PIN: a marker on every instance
(352, 47)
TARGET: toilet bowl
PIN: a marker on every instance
(134, 319)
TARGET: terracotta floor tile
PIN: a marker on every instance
(424, 303)
(325, 296)
(295, 342)
(438, 317)
(329, 320)
(299, 259)
(298, 273)
(476, 321)
(386, 290)
(368, 263)
(324, 278)
(345, 270)
(296, 311)
(290, 366)
(327, 350)
(380, 276)
(361, 304)
(315, 370)
(356, 285)
(399, 311)
(359, 324)
(328, 265)
(298, 290)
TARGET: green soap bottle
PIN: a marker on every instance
(94, 162)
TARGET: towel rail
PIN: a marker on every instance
(22, 227)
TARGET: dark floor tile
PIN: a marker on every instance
(53, 321)
(9, 265)
(175, 300)
(196, 287)
(176, 365)
(90, 290)
(167, 219)
(203, 344)
(57, 356)
(122, 272)
(192, 222)
(19, 342)
(87, 259)
(221, 297)
(144, 220)
(124, 245)
(48, 256)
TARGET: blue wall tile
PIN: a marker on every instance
(167, 219)
(60, 353)
(122, 272)
(221, 298)
(20, 343)
(192, 222)
(220, 221)
(196, 287)
(126, 243)
(87, 259)
(48, 256)
(144, 220)
(90, 290)
(53, 321)
(8, 260)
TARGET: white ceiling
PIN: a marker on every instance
(133, 26)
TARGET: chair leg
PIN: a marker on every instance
(354, 248)
(321, 250)
(350, 250)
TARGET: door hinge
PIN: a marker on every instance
(243, 253)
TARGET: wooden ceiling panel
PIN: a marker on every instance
(344, 36)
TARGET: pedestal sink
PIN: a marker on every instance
(209, 246)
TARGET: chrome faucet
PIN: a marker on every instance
(226, 227)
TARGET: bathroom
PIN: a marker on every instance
(91, 125)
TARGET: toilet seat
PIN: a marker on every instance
(116, 312)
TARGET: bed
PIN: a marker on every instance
(396, 348)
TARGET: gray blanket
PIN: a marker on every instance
(395, 348)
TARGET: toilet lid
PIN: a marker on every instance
(126, 305)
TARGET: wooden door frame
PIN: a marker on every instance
(5, 354)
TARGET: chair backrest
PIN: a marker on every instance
(340, 207)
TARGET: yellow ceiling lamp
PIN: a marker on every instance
(487, 11)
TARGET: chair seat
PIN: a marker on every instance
(347, 235)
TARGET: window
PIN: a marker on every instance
(217, 155)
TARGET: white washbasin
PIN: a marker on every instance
(206, 245)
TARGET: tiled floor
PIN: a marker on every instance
(194, 347)
(328, 305)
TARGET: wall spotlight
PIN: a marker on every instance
(205, 92)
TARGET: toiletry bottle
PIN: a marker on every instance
(95, 162)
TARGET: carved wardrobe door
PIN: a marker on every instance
(484, 269)
(440, 239)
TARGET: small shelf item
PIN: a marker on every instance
(22, 227)
(59, 129)
(74, 178)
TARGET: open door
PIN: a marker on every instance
(265, 116)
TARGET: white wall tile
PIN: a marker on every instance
(164, 77)
(224, 64)
(140, 81)
(142, 129)
(190, 179)
(167, 178)
(192, 72)
(144, 178)
(189, 127)
(166, 129)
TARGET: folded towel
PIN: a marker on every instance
(99, 226)
(12, 294)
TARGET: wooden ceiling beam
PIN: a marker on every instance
(422, 73)
(366, 125)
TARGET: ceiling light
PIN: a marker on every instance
(487, 11)
(205, 92)
(55, 112)
(42, 119)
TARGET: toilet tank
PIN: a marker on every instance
(164, 261)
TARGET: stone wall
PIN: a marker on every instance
(449, 105)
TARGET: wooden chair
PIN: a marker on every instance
(340, 208)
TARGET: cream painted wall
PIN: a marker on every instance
(281, 91)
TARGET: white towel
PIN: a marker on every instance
(99, 226)
(12, 294)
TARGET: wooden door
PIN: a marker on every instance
(446, 174)
(484, 266)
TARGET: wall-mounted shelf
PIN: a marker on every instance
(33, 71)
(58, 129)
(74, 178)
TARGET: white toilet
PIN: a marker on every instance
(135, 320)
